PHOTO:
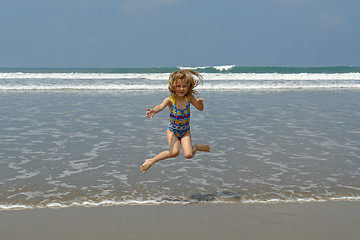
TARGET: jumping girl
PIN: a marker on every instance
(181, 87)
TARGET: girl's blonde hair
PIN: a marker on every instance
(186, 74)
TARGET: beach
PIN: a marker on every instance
(296, 221)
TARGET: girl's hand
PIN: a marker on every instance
(198, 100)
(150, 113)
(158, 108)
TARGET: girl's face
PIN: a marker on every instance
(182, 88)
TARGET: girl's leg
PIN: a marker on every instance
(173, 152)
(189, 150)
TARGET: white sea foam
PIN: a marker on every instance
(219, 68)
(61, 87)
(158, 81)
(159, 202)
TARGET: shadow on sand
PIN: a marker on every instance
(209, 197)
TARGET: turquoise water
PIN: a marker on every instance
(204, 69)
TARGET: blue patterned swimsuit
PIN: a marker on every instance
(179, 119)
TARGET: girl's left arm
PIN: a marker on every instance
(197, 103)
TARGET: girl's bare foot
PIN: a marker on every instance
(202, 147)
(146, 165)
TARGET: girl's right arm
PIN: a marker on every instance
(158, 108)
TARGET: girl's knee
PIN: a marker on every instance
(174, 153)
(188, 155)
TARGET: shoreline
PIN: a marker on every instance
(106, 203)
(315, 220)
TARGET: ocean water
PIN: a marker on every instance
(76, 137)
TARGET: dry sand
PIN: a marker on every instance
(290, 221)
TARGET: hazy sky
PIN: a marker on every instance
(153, 33)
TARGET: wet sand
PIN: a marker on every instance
(321, 220)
